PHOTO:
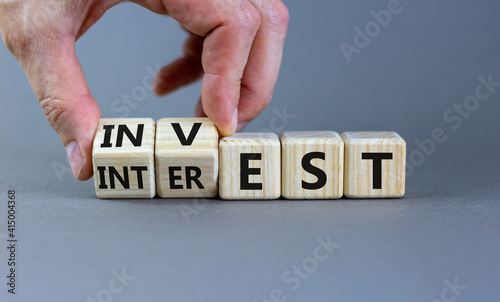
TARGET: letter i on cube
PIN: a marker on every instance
(123, 158)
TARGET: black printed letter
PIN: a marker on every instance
(377, 166)
(182, 137)
(320, 174)
(246, 171)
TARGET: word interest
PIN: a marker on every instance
(186, 158)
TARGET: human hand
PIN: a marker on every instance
(235, 45)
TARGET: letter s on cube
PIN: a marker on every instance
(312, 165)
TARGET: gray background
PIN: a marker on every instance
(447, 226)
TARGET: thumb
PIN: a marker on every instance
(60, 86)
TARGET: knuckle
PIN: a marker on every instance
(279, 16)
(24, 40)
(7, 41)
(249, 19)
(28, 29)
(17, 43)
(14, 27)
(55, 111)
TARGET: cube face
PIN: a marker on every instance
(250, 166)
(312, 165)
(187, 158)
(375, 164)
(123, 158)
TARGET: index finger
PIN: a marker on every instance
(230, 28)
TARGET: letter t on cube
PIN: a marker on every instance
(123, 158)
(375, 164)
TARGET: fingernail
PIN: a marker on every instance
(241, 126)
(234, 123)
(155, 86)
(76, 158)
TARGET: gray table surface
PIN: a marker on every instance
(445, 230)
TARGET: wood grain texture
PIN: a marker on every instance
(125, 171)
(190, 169)
(359, 177)
(265, 171)
(299, 146)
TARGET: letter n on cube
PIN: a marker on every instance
(123, 158)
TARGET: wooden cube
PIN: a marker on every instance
(123, 158)
(374, 164)
(250, 166)
(312, 165)
(187, 157)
